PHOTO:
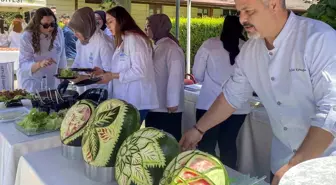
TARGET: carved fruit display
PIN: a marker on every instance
(195, 168)
(112, 122)
(143, 156)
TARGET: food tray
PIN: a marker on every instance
(32, 133)
(88, 82)
(24, 111)
(65, 78)
(82, 69)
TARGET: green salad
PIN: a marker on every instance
(37, 121)
(68, 73)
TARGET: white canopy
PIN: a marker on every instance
(19, 5)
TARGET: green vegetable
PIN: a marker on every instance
(195, 167)
(324, 10)
(68, 73)
(37, 121)
(144, 155)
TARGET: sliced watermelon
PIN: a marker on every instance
(195, 168)
(143, 157)
(75, 122)
(113, 121)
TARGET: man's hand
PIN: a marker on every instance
(280, 173)
(97, 71)
(106, 78)
(190, 139)
(172, 109)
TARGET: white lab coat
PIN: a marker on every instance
(97, 53)
(109, 33)
(169, 65)
(14, 39)
(134, 63)
(295, 82)
(27, 57)
(212, 68)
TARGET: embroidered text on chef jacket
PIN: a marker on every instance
(212, 68)
(97, 53)
(26, 79)
(134, 63)
(169, 66)
(295, 82)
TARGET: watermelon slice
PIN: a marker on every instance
(143, 157)
(195, 168)
(75, 122)
(112, 122)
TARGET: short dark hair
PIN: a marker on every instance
(65, 16)
(18, 16)
(53, 7)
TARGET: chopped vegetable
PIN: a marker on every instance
(68, 73)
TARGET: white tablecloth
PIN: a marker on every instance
(10, 56)
(321, 171)
(49, 167)
(14, 144)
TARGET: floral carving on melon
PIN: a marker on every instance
(138, 153)
(195, 168)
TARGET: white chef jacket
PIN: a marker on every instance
(97, 53)
(169, 66)
(212, 68)
(134, 63)
(109, 33)
(14, 39)
(295, 82)
(32, 81)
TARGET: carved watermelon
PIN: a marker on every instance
(143, 157)
(113, 121)
(195, 168)
(75, 122)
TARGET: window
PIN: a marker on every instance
(155, 9)
(203, 12)
(93, 1)
(229, 12)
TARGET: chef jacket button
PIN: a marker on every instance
(279, 103)
(272, 78)
(294, 151)
(270, 53)
(334, 108)
(285, 128)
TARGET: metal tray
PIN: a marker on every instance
(32, 133)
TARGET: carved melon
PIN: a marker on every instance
(195, 168)
(143, 157)
(75, 121)
(113, 121)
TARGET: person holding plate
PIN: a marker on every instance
(94, 47)
(42, 52)
(132, 71)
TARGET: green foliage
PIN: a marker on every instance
(201, 30)
(8, 17)
(324, 11)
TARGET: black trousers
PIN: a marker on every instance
(171, 123)
(225, 134)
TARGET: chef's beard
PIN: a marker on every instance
(255, 35)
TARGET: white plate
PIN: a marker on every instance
(12, 114)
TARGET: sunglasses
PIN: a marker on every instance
(46, 26)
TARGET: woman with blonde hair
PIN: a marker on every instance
(42, 52)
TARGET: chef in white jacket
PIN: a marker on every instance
(290, 62)
(214, 64)
(132, 69)
(94, 48)
(169, 65)
(42, 52)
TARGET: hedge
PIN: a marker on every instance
(201, 30)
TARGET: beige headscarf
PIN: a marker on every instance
(161, 25)
(84, 22)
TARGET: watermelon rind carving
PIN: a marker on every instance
(75, 121)
(143, 157)
(113, 121)
(195, 167)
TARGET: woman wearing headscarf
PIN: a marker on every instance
(94, 48)
(214, 64)
(42, 52)
(101, 20)
(132, 71)
(169, 65)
